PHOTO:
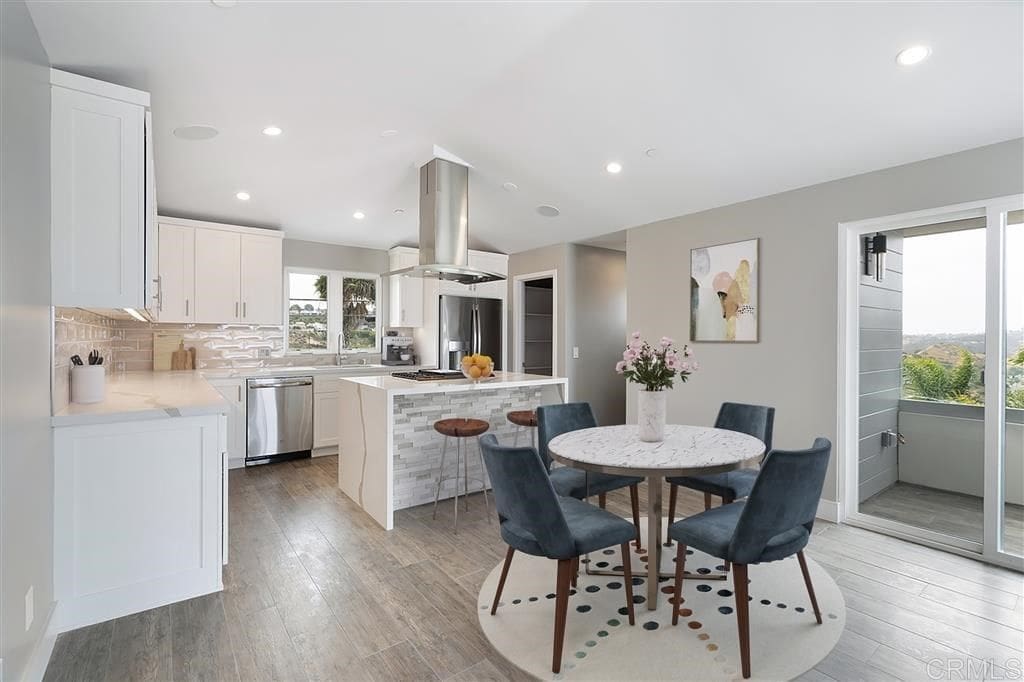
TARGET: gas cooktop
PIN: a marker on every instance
(429, 375)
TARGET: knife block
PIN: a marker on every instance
(88, 383)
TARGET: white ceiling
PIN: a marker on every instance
(740, 101)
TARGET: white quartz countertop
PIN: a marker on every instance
(147, 395)
(304, 370)
(501, 380)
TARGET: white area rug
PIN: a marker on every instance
(785, 640)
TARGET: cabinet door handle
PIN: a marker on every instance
(236, 308)
(159, 293)
(239, 393)
(186, 307)
(243, 309)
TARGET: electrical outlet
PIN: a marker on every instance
(29, 607)
(575, 352)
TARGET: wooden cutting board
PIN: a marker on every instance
(164, 345)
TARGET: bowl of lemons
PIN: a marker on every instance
(478, 367)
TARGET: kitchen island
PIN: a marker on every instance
(389, 453)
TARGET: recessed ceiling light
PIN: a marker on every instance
(399, 211)
(195, 132)
(548, 211)
(272, 131)
(510, 186)
(613, 167)
(913, 55)
(388, 133)
(358, 215)
(242, 196)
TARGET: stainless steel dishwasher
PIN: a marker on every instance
(279, 421)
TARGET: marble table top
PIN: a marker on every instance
(686, 450)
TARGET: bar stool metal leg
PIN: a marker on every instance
(515, 440)
(465, 473)
(458, 457)
(440, 475)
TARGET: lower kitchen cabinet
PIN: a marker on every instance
(325, 414)
(233, 391)
(140, 518)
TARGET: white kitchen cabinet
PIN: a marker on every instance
(233, 391)
(325, 413)
(138, 516)
(98, 189)
(405, 304)
(261, 279)
(490, 262)
(176, 274)
(218, 276)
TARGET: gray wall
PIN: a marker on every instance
(598, 310)
(794, 365)
(591, 314)
(299, 253)
(26, 453)
(881, 352)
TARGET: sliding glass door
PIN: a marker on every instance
(934, 377)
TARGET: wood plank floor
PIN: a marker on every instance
(943, 511)
(315, 590)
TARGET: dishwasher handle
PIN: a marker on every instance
(280, 383)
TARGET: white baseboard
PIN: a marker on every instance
(828, 510)
(40, 656)
(236, 462)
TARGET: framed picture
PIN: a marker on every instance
(723, 292)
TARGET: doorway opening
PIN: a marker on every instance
(535, 323)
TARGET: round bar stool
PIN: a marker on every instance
(524, 419)
(460, 429)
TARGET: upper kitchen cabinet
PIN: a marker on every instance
(405, 304)
(176, 274)
(235, 273)
(98, 158)
(262, 279)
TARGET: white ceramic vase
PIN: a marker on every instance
(650, 415)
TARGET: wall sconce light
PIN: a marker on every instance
(875, 246)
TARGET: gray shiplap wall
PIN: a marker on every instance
(881, 349)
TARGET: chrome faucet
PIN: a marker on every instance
(339, 356)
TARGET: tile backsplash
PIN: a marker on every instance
(127, 345)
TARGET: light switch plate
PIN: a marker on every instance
(575, 352)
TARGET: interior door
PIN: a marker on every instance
(218, 277)
(177, 273)
(261, 279)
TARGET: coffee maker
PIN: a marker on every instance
(397, 351)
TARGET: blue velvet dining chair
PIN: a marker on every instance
(535, 520)
(754, 420)
(554, 420)
(773, 523)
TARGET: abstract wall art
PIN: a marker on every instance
(723, 292)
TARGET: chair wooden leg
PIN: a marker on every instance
(707, 501)
(501, 580)
(575, 571)
(561, 607)
(634, 502)
(739, 588)
(627, 580)
(810, 587)
(602, 500)
(680, 569)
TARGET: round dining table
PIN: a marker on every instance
(685, 451)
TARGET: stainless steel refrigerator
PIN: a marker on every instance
(466, 326)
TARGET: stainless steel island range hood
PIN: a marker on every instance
(444, 226)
